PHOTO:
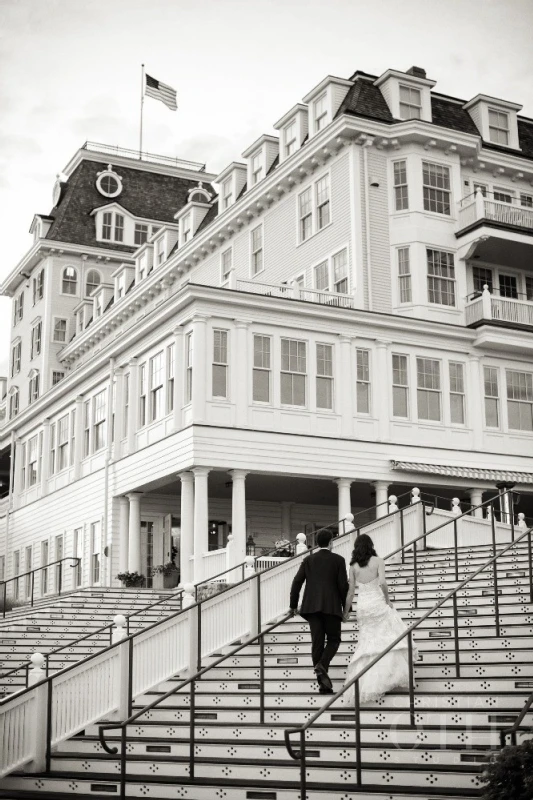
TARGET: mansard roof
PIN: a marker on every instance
(148, 195)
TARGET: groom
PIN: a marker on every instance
(326, 587)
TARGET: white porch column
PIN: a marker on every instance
(286, 508)
(199, 368)
(476, 498)
(238, 514)
(133, 404)
(382, 496)
(475, 403)
(381, 373)
(187, 527)
(345, 500)
(45, 458)
(78, 441)
(201, 519)
(134, 532)
(119, 413)
(179, 371)
(123, 536)
(241, 374)
(346, 390)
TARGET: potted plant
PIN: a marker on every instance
(129, 579)
(509, 776)
(169, 573)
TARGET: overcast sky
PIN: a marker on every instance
(70, 72)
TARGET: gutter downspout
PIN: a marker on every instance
(108, 456)
(368, 142)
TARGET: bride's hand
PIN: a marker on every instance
(346, 616)
(389, 604)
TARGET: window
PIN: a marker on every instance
(142, 395)
(69, 281)
(437, 194)
(226, 260)
(503, 196)
(99, 419)
(157, 377)
(404, 275)
(320, 112)
(526, 200)
(109, 183)
(72, 436)
(13, 402)
(78, 553)
(44, 563)
(322, 277)
(324, 376)
(96, 544)
(16, 355)
(107, 225)
(38, 286)
(34, 388)
(482, 277)
(58, 555)
(293, 372)
(227, 193)
(186, 227)
(441, 278)
(363, 381)
(57, 376)
(457, 393)
(401, 192)
(112, 226)
(86, 428)
(322, 202)
(498, 126)
(92, 282)
(529, 288)
(126, 404)
(119, 228)
(257, 250)
(261, 373)
(142, 266)
(508, 286)
(160, 249)
(18, 308)
(140, 235)
(340, 272)
(16, 572)
(305, 202)
(62, 443)
(60, 330)
(257, 167)
(410, 103)
(28, 566)
(188, 377)
(36, 340)
(23, 465)
(32, 461)
(428, 389)
(289, 139)
(520, 400)
(170, 378)
(220, 363)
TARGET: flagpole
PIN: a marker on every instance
(142, 108)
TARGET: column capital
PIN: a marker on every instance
(133, 362)
(238, 473)
(474, 356)
(186, 477)
(242, 324)
(200, 472)
(346, 338)
(178, 331)
(381, 483)
(200, 318)
(123, 499)
(46, 422)
(343, 481)
(134, 497)
(119, 370)
(79, 398)
(383, 343)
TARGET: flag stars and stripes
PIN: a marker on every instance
(161, 91)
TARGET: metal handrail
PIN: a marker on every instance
(301, 730)
(32, 572)
(512, 731)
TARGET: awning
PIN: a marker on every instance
(486, 475)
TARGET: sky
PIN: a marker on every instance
(70, 71)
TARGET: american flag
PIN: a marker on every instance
(160, 91)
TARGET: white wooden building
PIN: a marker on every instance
(344, 314)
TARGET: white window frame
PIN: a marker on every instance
(363, 378)
(309, 223)
(189, 349)
(18, 308)
(16, 357)
(437, 195)
(94, 285)
(400, 185)
(220, 363)
(227, 193)
(55, 378)
(411, 109)
(320, 112)
(96, 552)
(55, 330)
(405, 289)
(257, 253)
(36, 340)
(325, 354)
(143, 396)
(441, 285)
(497, 129)
(68, 280)
(62, 443)
(524, 404)
(225, 270)
(14, 402)
(290, 140)
(257, 166)
(293, 372)
(157, 386)
(33, 387)
(38, 286)
(328, 266)
(33, 460)
(87, 428)
(429, 390)
(457, 390)
(262, 364)
(99, 420)
(140, 233)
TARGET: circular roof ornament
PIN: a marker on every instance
(198, 194)
(108, 183)
(58, 189)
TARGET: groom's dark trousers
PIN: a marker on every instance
(326, 587)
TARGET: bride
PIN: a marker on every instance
(379, 625)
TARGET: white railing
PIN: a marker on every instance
(214, 562)
(477, 207)
(162, 652)
(297, 293)
(17, 741)
(265, 562)
(503, 309)
(275, 589)
(223, 620)
(471, 531)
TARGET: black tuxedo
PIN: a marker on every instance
(326, 587)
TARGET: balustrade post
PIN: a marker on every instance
(301, 544)
(194, 639)
(486, 303)
(40, 716)
(118, 634)
(480, 204)
(415, 495)
(348, 523)
(522, 521)
(230, 553)
(254, 606)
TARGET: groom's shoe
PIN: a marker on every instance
(324, 690)
(323, 677)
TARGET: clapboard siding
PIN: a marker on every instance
(379, 234)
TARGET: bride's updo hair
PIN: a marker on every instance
(363, 550)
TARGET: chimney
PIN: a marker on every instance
(416, 72)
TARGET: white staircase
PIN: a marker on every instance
(238, 744)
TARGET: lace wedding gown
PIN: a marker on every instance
(379, 625)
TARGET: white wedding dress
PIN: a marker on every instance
(379, 626)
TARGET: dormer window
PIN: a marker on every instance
(140, 235)
(186, 228)
(257, 167)
(143, 263)
(498, 126)
(93, 282)
(320, 112)
(410, 103)
(289, 139)
(227, 193)
(113, 226)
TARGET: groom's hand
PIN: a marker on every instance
(346, 617)
(293, 611)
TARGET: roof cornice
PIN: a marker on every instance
(130, 163)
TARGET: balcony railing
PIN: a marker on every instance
(477, 207)
(488, 308)
(110, 149)
(295, 292)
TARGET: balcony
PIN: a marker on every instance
(295, 292)
(477, 209)
(487, 308)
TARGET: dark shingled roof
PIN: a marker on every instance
(451, 115)
(144, 194)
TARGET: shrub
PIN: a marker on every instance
(10, 604)
(131, 579)
(509, 775)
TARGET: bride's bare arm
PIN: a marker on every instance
(351, 592)
(383, 580)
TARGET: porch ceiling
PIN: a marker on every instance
(503, 251)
